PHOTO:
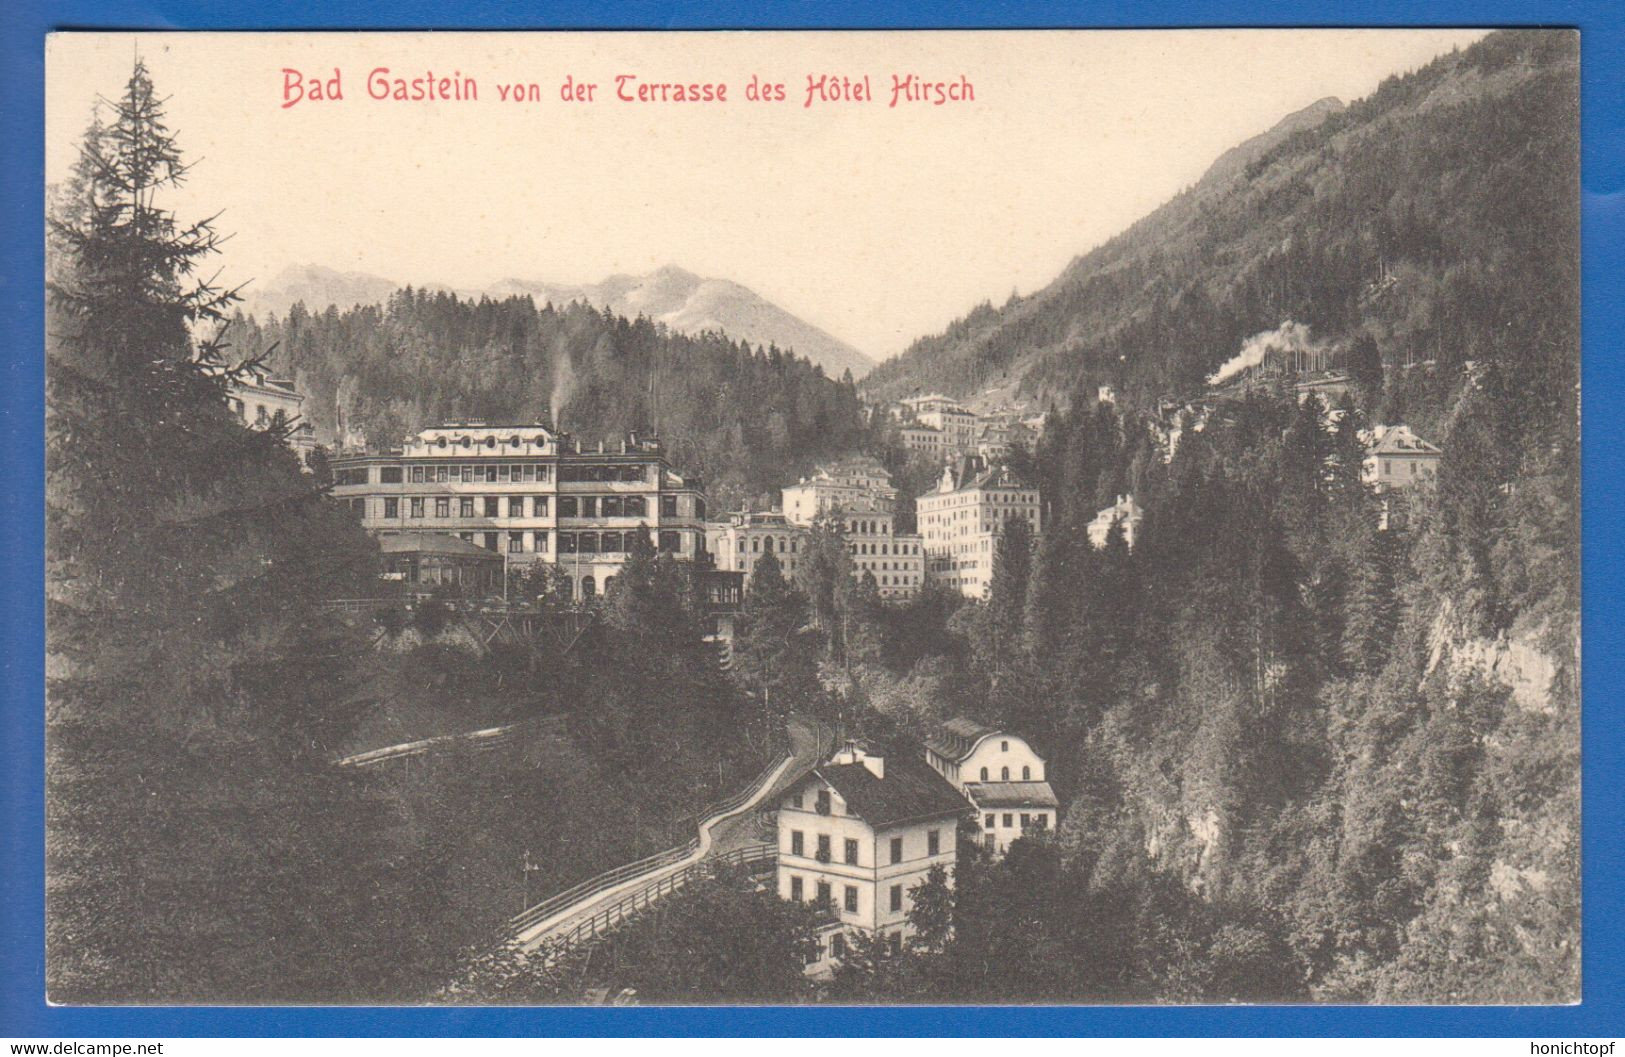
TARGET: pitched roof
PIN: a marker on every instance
(1011, 794)
(955, 738)
(910, 792)
(1399, 440)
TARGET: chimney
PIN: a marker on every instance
(852, 752)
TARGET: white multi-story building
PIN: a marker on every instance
(256, 398)
(858, 492)
(1125, 512)
(851, 485)
(856, 836)
(957, 426)
(530, 493)
(926, 440)
(895, 560)
(738, 543)
(1000, 775)
(915, 406)
(962, 519)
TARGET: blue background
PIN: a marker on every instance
(22, 1008)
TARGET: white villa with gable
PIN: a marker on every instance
(1000, 775)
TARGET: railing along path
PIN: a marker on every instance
(540, 923)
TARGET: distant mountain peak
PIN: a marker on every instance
(671, 295)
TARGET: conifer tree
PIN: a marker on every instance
(774, 653)
(196, 837)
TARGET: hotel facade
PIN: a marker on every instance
(859, 493)
(529, 493)
(962, 519)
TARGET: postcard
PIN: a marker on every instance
(789, 518)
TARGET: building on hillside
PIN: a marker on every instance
(257, 398)
(996, 439)
(858, 483)
(895, 560)
(1000, 775)
(740, 541)
(925, 440)
(422, 562)
(915, 406)
(530, 493)
(1125, 512)
(1106, 395)
(858, 492)
(1398, 458)
(855, 836)
(962, 518)
(957, 426)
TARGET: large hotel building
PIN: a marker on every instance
(962, 519)
(530, 493)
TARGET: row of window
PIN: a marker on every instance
(614, 542)
(1004, 773)
(824, 896)
(667, 540)
(1038, 821)
(500, 472)
(569, 506)
(758, 543)
(798, 846)
(881, 548)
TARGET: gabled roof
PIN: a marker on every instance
(910, 792)
(1399, 440)
(1011, 794)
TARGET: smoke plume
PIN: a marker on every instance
(1287, 338)
(564, 384)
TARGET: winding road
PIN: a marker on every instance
(719, 834)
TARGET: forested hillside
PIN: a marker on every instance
(202, 846)
(1306, 754)
(742, 417)
(1435, 217)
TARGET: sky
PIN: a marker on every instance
(877, 223)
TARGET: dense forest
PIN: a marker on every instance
(1304, 756)
(740, 417)
(1434, 218)
(202, 846)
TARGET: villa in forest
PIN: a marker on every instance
(856, 835)
(1000, 775)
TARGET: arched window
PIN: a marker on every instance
(1004, 774)
(755, 546)
(588, 588)
(984, 774)
(1026, 774)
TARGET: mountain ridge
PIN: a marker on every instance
(670, 295)
(1406, 189)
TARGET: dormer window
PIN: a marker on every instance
(823, 802)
